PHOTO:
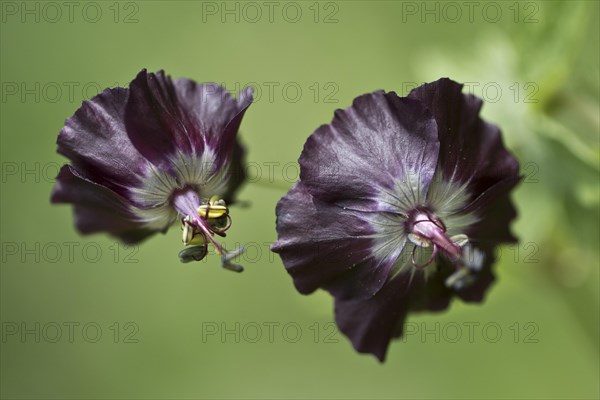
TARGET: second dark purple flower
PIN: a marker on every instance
(400, 205)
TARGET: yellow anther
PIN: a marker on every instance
(213, 212)
(190, 235)
(215, 208)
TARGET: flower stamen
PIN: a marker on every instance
(211, 218)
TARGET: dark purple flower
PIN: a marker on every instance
(144, 156)
(400, 204)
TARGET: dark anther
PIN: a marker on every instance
(194, 253)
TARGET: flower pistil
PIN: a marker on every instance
(426, 229)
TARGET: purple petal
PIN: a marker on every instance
(371, 324)
(97, 208)
(363, 280)
(471, 150)
(95, 140)
(320, 242)
(218, 114)
(367, 148)
(495, 211)
(164, 117)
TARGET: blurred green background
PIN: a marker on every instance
(169, 330)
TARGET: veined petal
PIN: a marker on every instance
(372, 323)
(164, 117)
(322, 244)
(99, 209)
(471, 150)
(96, 141)
(495, 212)
(216, 112)
(370, 147)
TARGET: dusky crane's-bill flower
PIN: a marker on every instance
(144, 156)
(399, 207)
